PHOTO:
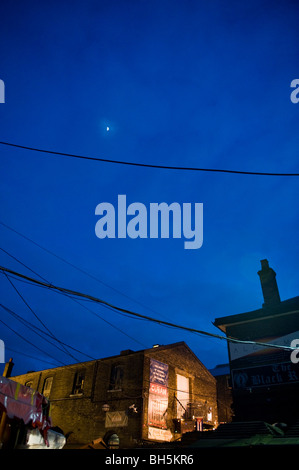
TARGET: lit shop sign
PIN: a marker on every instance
(158, 396)
(158, 390)
(159, 434)
(159, 373)
(265, 376)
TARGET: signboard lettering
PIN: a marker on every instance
(274, 374)
(158, 394)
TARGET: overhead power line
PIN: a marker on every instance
(29, 342)
(36, 329)
(68, 296)
(60, 258)
(39, 319)
(145, 165)
(139, 315)
(31, 357)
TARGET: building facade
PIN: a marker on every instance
(265, 380)
(152, 395)
(224, 392)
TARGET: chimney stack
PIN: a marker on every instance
(269, 285)
(8, 368)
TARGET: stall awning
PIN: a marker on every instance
(21, 402)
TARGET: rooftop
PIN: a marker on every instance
(280, 309)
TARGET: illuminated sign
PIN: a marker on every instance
(159, 434)
(158, 373)
(158, 394)
(158, 390)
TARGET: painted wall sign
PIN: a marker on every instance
(157, 410)
(158, 390)
(159, 434)
(158, 394)
(159, 373)
(265, 376)
(116, 419)
(238, 350)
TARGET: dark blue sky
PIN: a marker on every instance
(180, 83)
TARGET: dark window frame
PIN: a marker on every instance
(116, 377)
(29, 384)
(47, 394)
(78, 384)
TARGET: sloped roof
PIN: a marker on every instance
(123, 354)
(282, 308)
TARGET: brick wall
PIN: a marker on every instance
(81, 416)
(202, 385)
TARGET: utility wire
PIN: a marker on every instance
(41, 322)
(84, 272)
(71, 367)
(72, 265)
(29, 342)
(146, 165)
(139, 315)
(27, 324)
(23, 264)
(33, 327)
(66, 295)
(28, 355)
(54, 337)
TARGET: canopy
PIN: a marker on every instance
(21, 402)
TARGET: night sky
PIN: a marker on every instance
(178, 83)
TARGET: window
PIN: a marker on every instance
(116, 377)
(78, 383)
(47, 386)
(29, 384)
(182, 395)
(228, 382)
(113, 442)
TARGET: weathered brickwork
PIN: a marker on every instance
(121, 383)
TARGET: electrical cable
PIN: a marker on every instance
(29, 342)
(35, 329)
(28, 355)
(139, 315)
(146, 165)
(10, 311)
(72, 298)
(42, 323)
(91, 276)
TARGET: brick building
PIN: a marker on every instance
(155, 395)
(265, 381)
(224, 392)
